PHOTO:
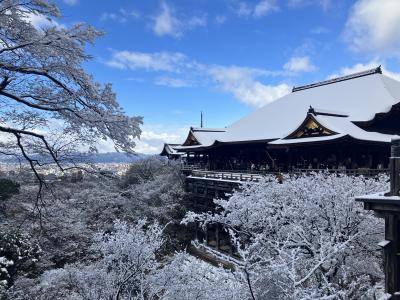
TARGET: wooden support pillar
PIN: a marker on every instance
(194, 189)
(217, 236)
(206, 234)
(391, 252)
(389, 208)
(395, 171)
(196, 231)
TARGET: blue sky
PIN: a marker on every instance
(170, 59)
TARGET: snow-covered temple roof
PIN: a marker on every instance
(203, 137)
(169, 149)
(341, 102)
(341, 127)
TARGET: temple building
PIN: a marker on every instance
(345, 123)
(169, 151)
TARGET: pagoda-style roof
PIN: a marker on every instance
(342, 103)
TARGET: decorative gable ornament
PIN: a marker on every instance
(310, 128)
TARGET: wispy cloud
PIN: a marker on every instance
(256, 10)
(172, 82)
(241, 82)
(264, 7)
(120, 16)
(158, 61)
(299, 64)
(166, 23)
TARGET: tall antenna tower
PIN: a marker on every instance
(201, 119)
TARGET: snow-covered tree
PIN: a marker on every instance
(128, 266)
(18, 254)
(185, 277)
(124, 261)
(49, 105)
(305, 238)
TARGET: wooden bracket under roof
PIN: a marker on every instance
(377, 70)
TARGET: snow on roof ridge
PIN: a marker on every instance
(377, 70)
(317, 111)
(203, 129)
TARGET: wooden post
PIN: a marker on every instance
(388, 207)
(392, 227)
(395, 168)
(217, 236)
(196, 231)
(392, 255)
(206, 234)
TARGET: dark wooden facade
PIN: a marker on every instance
(345, 153)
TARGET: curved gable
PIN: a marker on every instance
(310, 128)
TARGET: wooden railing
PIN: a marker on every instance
(227, 175)
(256, 177)
(191, 167)
(360, 171)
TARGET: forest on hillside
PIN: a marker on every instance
(126, 237)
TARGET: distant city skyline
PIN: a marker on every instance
(169, 60)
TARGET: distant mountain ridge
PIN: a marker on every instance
(116, 157)
(109, 157)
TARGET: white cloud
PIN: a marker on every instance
(171, 82)
(325, 4)
(363, 67)
(71, 2)
(242, 84)
(257, 10)
(373, 26)
(166, 23)
(299, 64)
(158, 61)
(197, 21)
(120, 16)
(153, 138)
(106, 16)
(244, 10)
(264, 7)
